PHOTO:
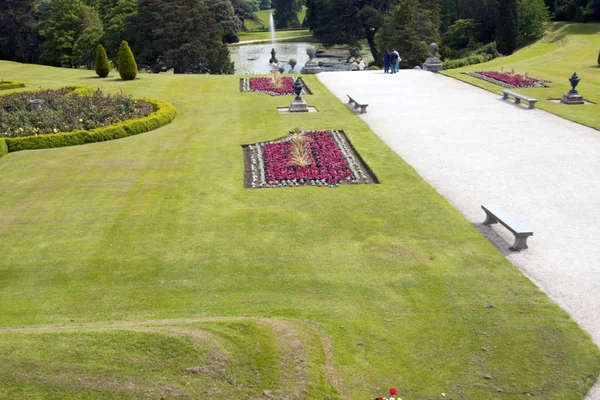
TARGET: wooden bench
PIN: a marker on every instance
(495, 214)
(356, 104)
(518, 97)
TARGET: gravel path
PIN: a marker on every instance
(475, 148)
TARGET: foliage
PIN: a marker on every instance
(60, 30)
(102, 66)
(244, 11)
(115, 25)
(163, 113)
(400, 33)
(19, 37)
(286, 13)
(532, 16)
(575, 10)
(84, 49)
(3, 147)
(5, 85)
(190, 40)
(225, 17)
(444, 52)
(127, 66)
(506, 30)
(485, 53)
(63, 112)
(460, 32)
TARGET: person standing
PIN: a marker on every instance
(394, 55)
(354, 66)
(386, 61)
(361, 65)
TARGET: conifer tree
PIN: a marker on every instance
(506, 28)
(102, 66)
(127, 65)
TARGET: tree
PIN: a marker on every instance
(506, 30)
(347, 21)
(265, 4)
(115, 26)
(532, 16)
(458, 34)
(102, 66)
(83, 50)
(60, 32)
(182, 35)
(400, 32)
(286, 13)
(19, 39)
(226, 19)
(244, 10)
(127, 66)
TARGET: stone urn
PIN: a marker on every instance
(35, 104)
(433, 63)
(311, 66)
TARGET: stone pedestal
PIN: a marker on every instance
(311, 67)
(572, 98)
(35, 105)
(433, 64)
(298, 106)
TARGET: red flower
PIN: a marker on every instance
(393, 392)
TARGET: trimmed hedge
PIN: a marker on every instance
(5, 85)
(163, 114)
(102, 65)
(3, 147)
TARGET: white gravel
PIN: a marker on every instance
(475, 148)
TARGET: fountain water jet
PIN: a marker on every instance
(272, 28)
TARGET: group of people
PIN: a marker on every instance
(358, 66)
(391, 61)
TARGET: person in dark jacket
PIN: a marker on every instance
(394, 55)
(386, 61)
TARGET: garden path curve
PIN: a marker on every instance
(475, 148)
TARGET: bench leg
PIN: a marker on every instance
(517, 100)
(504, 96)
(489, 219)
(363, 109)
(520, 243)
(531, 105)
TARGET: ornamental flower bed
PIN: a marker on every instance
(508, 79)
(331, 160)
(266, 85)
(64, 110)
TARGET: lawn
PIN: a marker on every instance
(142, 268)
(300, 35)
(565, 49)
(263, 16)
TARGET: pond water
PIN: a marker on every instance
(254, 58)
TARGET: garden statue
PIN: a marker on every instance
(573, 97)
(298, 104)
(433, 63)
(35, 104)
(273, 59)
(292, 63)
(311, 66)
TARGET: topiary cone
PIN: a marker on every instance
(127, 65)
(102, 65)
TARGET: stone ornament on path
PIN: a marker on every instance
(433, 63)
(311, 66)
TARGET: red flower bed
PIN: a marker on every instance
(266, 85)
(327, 161)
(508, 79)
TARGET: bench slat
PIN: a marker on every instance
(518, 95)
(507, 219)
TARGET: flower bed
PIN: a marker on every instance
(332, 161)
(266, 85)
(509, 80)
(65, 110)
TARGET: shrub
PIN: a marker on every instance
(373, 68)
(444, 52)
(127, 65)
(3, 147)
(485, 53)
(5, 85)
(163, 114)
(102, 66)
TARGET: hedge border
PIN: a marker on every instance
(5, 85)
(163, 114)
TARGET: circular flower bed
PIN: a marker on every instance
(63, 110)
(266, 85)
(508, 79)
(330, 161)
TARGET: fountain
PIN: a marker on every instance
(272, 27)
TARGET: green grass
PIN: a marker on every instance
(302, 35)
(565, 49)
(394, 280)
(263, 16)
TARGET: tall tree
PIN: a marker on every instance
(84, 50)
(61, 30)
(286, 13)
(347, 21)
(506, 29)
(532, 16)
(19, 39)
(181, 34)
(115, 26)
(225, 17)
(244, 11)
